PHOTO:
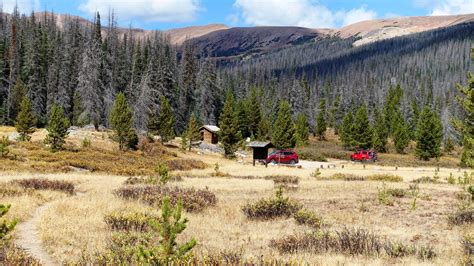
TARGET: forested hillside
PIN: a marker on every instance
(82, 67)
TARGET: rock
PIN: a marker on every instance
(13, 136)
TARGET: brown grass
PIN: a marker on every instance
(45, 184)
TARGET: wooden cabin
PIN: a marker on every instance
(209, 134)
(260, 150)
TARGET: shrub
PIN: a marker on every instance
(385, 177)
(128, 222)
(5, 226)
(4, 143)
(45, 184)
(462, 217)
(185, 164)
(348, 242)
(451, 180)
(470, 190)
(425, 179)
(266, 209)
(193, 200)
(12, 255)
(345, 177)
(162, 170)
(150, 180)
(309, 218)
(86, 143)
(384, 196)
(396, 192)
(287, 182)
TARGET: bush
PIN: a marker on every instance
(193, 200)
(271, 208)
(13, 255)
(425, 179)
(462, 217)
(45, 184)
(4, 143)
(396, 192)
(86, 143)
(150, 180)
(385, 177)
(348, 242)
(128, 222)
(384, 196)
(185, 164)
(309, 218)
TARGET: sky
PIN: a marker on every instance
(166, 14)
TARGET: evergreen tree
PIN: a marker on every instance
(255, 113)
(263, 130)
(243, 116)
(57, 128)
(121, 121)
(77, 110)
(302, 130)
(153, 123)
(466, 125)
(169, 226)
(283, 135)
(401, 136)
(192, 132)
(380, 132)
(362, 131)
(5, 226)
(26, 120)
(229, 134)
(16, 97)
(321, 120)
(335, 115)
(392, 105)
(166, 121)
(209, 93)
(188, 85)
(414, 114)
(346, 131)
(428, 135)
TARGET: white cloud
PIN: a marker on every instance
(24, 6)
(145, 10)
(356, 15)
(452, 7)
(303, 13)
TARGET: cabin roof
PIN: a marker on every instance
(211, 128)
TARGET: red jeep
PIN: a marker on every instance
(284, 156)
(364, 155)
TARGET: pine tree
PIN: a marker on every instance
(302, 130)
(57, 128)
(5, 226)
(429, 135)
(380, 132)
(121, 121)
(153, 123)
(362, 131)
(335, 115)
(283, 135)
(229, 134)
(243, 116)
(209, 93)
(401, 136)
(346, 131)
(192, 132)
(321, 120)
(263, 130)
(16, 97)
(166, 130)
(392, 105)
(466, 125)
(255, 113)
(26, 120)
(168, 227)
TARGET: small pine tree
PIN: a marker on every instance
(192, 132)
(26, 120)
(4, 150)
(153, 123)
(346, 131)
(321, 120)
(121, 121)
(263, 130)
(229, 133)
(380, 132)
(448, 145)
(335, 115)
(429, 135)
(401, 136)
(166, 129)
(5, 226)
(77, 110)
(362, 131)
(184, 142)
(57, 128)
(169, 226)
(283, 135)
(302, 130)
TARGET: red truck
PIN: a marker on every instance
(364, 155)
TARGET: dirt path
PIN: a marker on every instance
(29, 239)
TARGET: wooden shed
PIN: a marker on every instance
(209, 134)
(260, 150)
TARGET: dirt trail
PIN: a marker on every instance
(29, 239)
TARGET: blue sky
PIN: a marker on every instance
(165, 14)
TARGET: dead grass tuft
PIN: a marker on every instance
(265, 209)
